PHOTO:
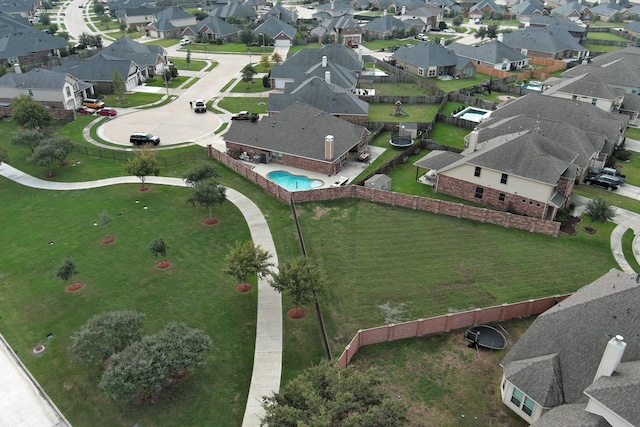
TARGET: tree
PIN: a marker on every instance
(98, 8)
(85, 39)
(143, 164)
(105, 19)
(67, 270)
(104, 220)
(45, 19)
(50, 151)
(104, 335)
(275, 57)
(492, 31)
(95, 41)
(207, 193)
(457, 21)
(188, 60)
(481, 33)
(325, 395)
(299, 278)
(65, 35)
(28, 138)
(617, 17)
(158, 247)
(3, 70)
(122, 26)
(143, 369)
(264, 62)
(247, 37)
(200, 173)
(118, 85)
(246, 260)
(248, 72)
(53, 28)
(599, 210)
(29, 113)
(4, 154)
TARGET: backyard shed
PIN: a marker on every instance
(379, 181)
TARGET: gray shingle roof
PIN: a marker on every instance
(142, 54)
(484, 4)
(216, 26)
(97, 68)
(558, 22)
(317, 93)
(568, 8)
(577, 331)
(559, 416)
(527, 7)
(584, 85)
(298, 130)
(437, 160)
(35, 78)
(548, 40)
(384, 24)
(633, 25)
(426, 54)
(620, 391)
(24, 41)
(542, 376)
(272, 27)
(335, 52)
(225, 10)
(621, 68)
(493, 52)
(607, 9)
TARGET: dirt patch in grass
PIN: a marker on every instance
(243, 287)
(319, 212)
(569, 226)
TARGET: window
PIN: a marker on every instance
(501, 197)
(276, 156)
(503, 178)
(516, 397)
(421, 72)
(30, 92)
(68, 91)
(574, 97)
(523, 402)
(593, 101)
(479, 192)
(432, 72)
(477, 171)
(527, 406)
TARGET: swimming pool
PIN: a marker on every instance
(473, 114)
(293, 182)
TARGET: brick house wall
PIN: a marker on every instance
(327, 168)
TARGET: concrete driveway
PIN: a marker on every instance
(176, 122)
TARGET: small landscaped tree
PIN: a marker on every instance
(67, 270)
(245, 259)
(118, 85)
(247, 37)
(599, 210)
(275, 57)
(492, 31)
(50, 151)
(104, 335)
(208, 193)
(28, 138)
(325, 395)
(143, 164)
(248, 72)
(29, 114)
(300, 278)
(158, 247)
(481, 33)
(264, 62)
(103, 221)
(200, 173)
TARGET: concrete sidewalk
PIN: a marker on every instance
(267, 363)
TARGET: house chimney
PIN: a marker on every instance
(612, 356)
(327, 77)
(324, 61)
(328, 147)
(473, 141)
(404, 9)
(500, 37)
(17, 69)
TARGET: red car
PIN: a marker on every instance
(86, 110)
(107, 111)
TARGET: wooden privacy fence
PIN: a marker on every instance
(445, 323)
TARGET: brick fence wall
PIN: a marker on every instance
(445, 323)
(505, 219)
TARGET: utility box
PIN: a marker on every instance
(379, 181)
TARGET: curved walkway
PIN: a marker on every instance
(267, 360)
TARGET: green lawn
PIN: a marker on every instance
(226, 48)
(195, 65)
(295, 48)
(456, 84)
(385, 44)
(605, 36)
(399, 89)
(254, 86)
(173, 83)
(252, 104)
(135, 99)
(601, 48)
(452, 136)
(627, 249)
(414, 113)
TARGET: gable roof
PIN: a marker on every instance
(621, 68)
(486, 4)
(173, 12)
(216, 26)
(336, 53)
(225, 10)
(567, 9)
(634, 25)
(97, 68)
(298, 130)
(558, 22)
(426, 54)
(384, 24)
(576, 331)
(273, 27)
(24, 41)
(558, 416)
(585, 85)
(322, 95)
(39, 78)
(527, 7)
(608, 9)
(493, 52)
(283, 14)
(548, 40)
(143, 55)
(619, 392)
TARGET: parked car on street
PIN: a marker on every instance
(199, 106)
(609, 171)
(86, 110)
(185, 42)
(107, 111)
(605, 181)
(422, 36)
(141, 138)
(245, 115)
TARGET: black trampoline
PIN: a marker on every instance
(485, 336)
(401, 141)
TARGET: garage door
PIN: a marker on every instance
(283, 43)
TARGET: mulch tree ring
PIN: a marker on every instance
(569, 226)
(210, 221)
(143, 189)
(65, 163)
(243, 287)
(50, 175)
(75, 286)
(589, 230)
(108, 239)
(296, 313)
(163, 264)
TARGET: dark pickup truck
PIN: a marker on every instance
(608, 171)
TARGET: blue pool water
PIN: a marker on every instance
(293, 182)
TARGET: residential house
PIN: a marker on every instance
(485, 9)
(211, 29)
(578, 364)
(285, 15)
(151, 59)
(137, 18)
(333, 9)
(423, 18)
(586, 88)
(526, 160)
(343, 28)
(21, 44)
(559, 23)
(606, 11)
(574, 10)
(494, 54)
(527, 8)
(50, 88)
(620, 69)
(21, 11)
(100, 69)
(170, 23)
(231, 8)
(633, 28)
(299, 136)
(320, 93)
(429, 59)
(280, 32)
(294, 71)
(383, 27)
(548, 42)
